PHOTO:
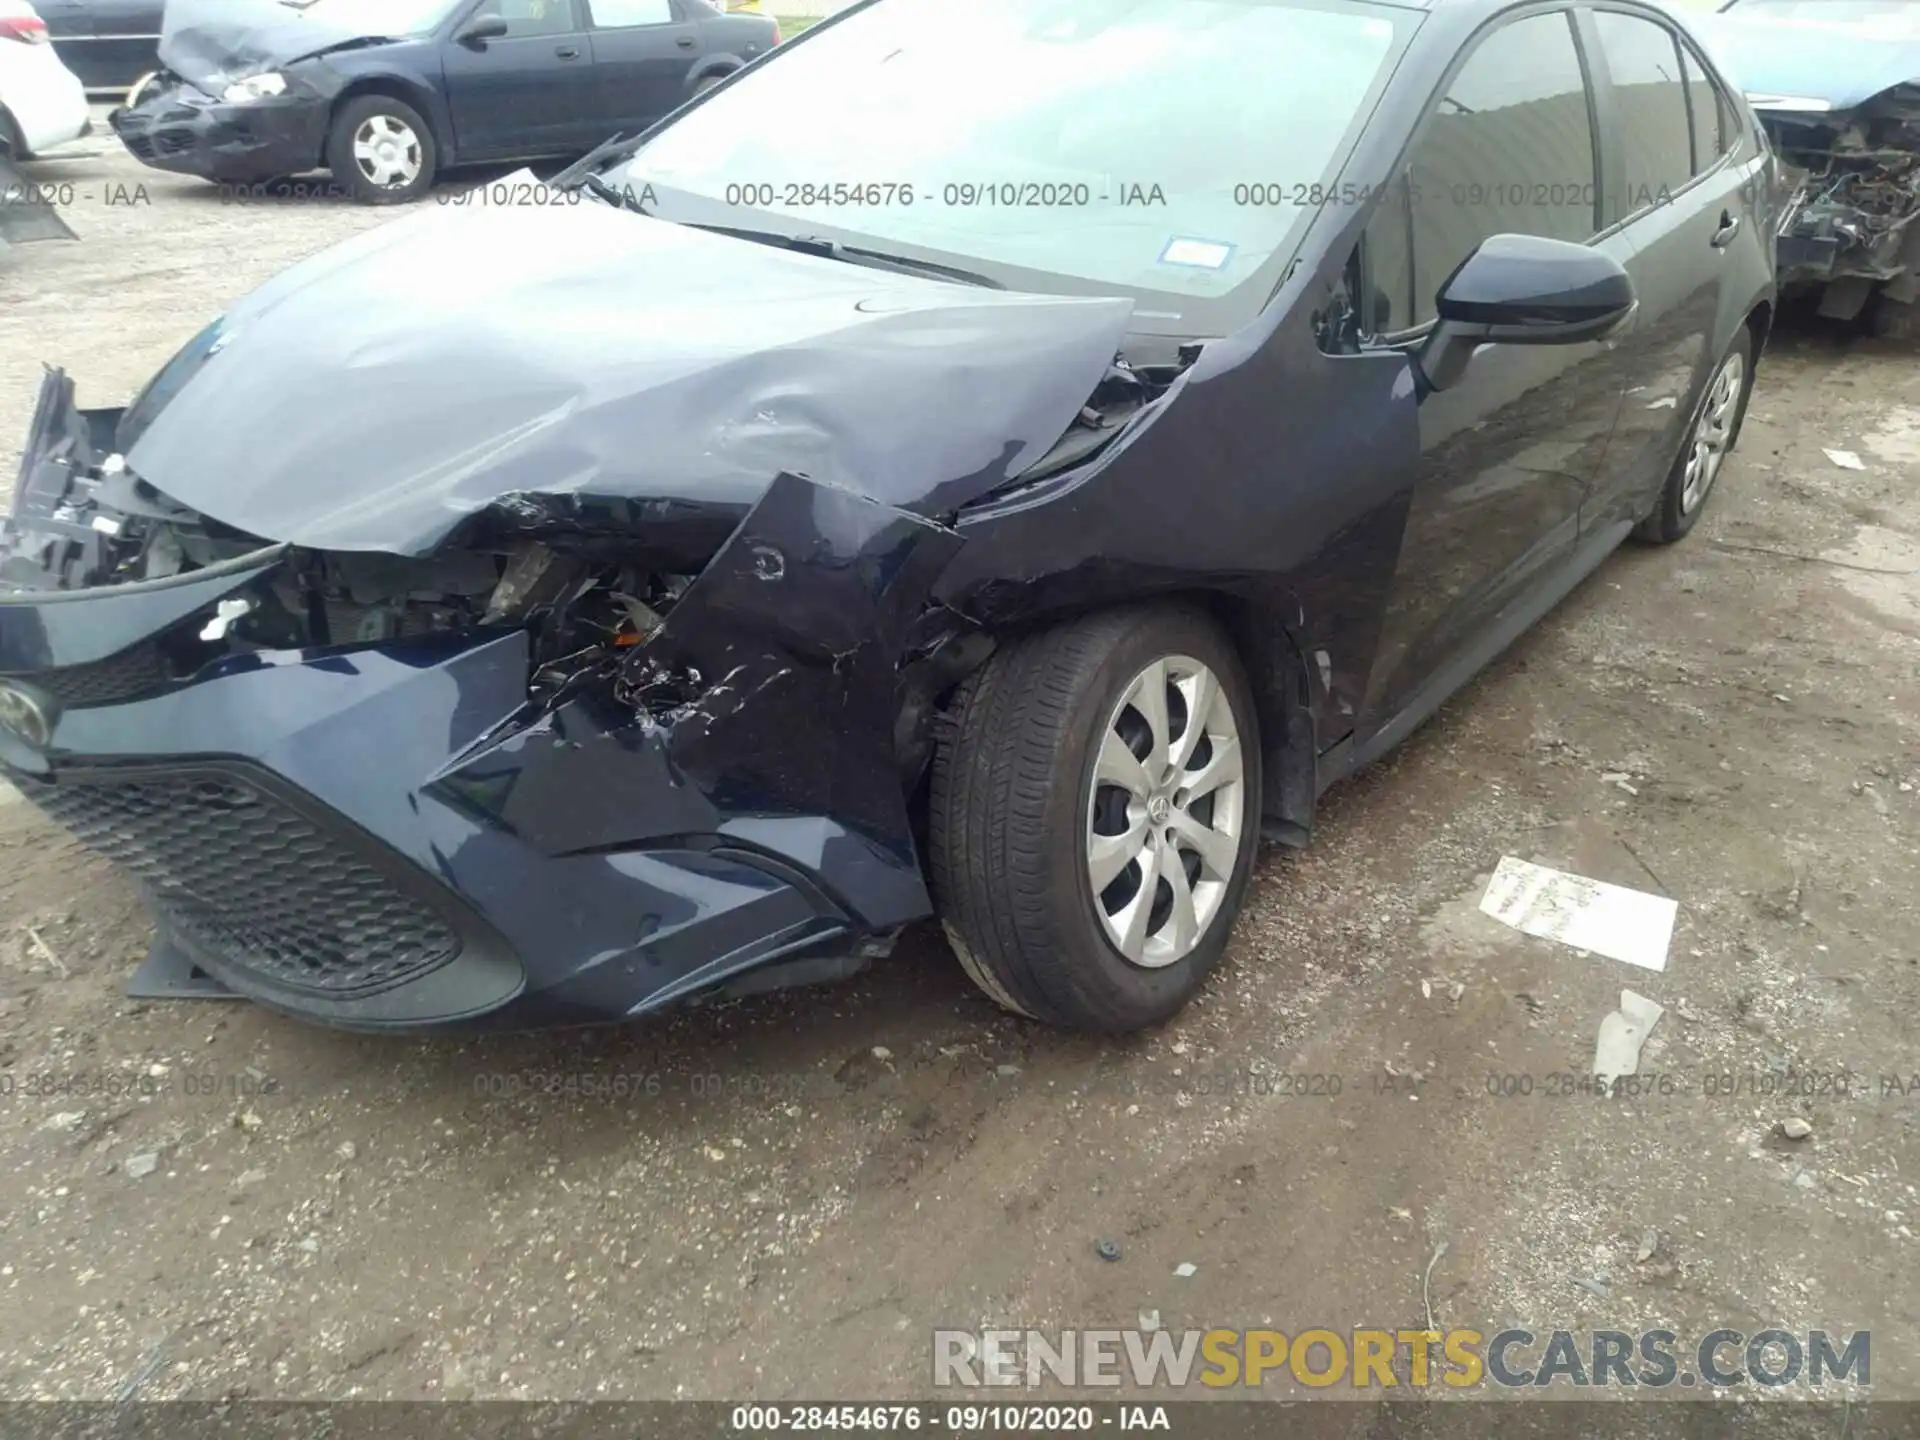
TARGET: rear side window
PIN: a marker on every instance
(1714, 128)
(1651, 100)
(620, 14)
(1509, 150)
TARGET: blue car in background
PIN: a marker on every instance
(387, 94)
(1836, 84)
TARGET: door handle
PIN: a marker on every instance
(1729, 227)
(685, 42)
(567, 52)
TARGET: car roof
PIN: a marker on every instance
(1476, 9)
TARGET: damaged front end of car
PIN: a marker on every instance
(649, 778)
(243, 93)
(1851, 224)
(429, 745)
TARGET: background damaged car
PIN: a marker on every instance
(388, 94)
(545, 613)
(1836, 83)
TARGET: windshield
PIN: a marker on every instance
(380, 17)
(1163, 148)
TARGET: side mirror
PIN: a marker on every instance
(476, 35)
(1524, 290)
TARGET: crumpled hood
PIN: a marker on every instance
(523, 358)
(1845, 62)
(212, 43)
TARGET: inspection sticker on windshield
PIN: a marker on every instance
(1200, 254)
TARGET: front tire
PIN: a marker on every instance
(1094, 817)
(382, 151)
(1711, 436)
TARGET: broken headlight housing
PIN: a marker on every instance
(255, 87)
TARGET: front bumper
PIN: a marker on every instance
(285, 821)
(189, 133)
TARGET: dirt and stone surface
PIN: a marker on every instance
(782, 1198)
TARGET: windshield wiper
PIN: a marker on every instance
(855, 254)
(587, 166)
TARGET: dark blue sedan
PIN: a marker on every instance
(881, 497)
(388, 93)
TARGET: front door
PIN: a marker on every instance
(528, 92)
(1511, 451)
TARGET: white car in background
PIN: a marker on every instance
(42, 104)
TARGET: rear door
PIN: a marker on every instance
(1679, 181)
(529, 92)
(643, 52)
(1510, 452)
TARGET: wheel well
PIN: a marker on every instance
(1276, 671)
(411, 96)
(1760, 322)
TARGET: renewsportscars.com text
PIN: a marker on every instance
(1387, 1359)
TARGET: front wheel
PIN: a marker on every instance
(1094, 817)
(1710, 439)
(382, 151)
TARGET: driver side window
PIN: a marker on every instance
(1508, 150)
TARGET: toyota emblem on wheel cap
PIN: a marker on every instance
(25, 714)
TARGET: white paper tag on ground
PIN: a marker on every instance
(1626, 925)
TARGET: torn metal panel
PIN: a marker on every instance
(80, 521)
(25, 216)
(761, 710)
(560, 359)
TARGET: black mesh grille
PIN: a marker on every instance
(140, 145)
(104, 682)
(244, 874)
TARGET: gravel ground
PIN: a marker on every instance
(207, 1201)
